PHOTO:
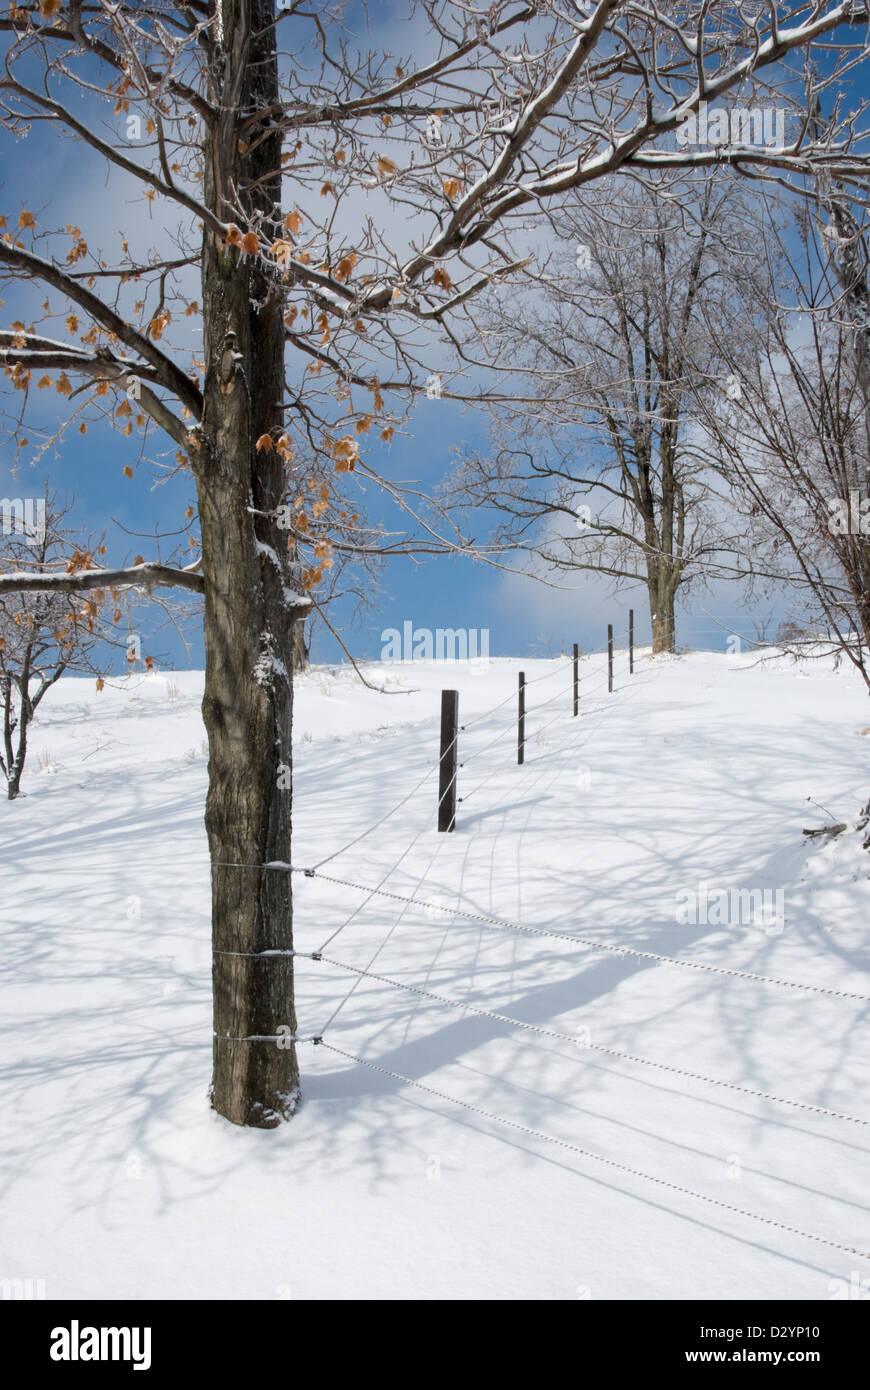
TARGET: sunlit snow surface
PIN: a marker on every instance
(119, 1181)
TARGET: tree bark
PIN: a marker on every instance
(249, 608)
(662, 594)
(15, 764)
(301, 648)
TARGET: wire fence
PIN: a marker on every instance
(475, 755)
(415, 904)
(590, 1154)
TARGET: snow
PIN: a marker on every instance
(268, 663)
(119, 1181)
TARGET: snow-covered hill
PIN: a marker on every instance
(688, 785)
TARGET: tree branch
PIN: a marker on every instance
(47, 355)
(166, 371)
(146, 576)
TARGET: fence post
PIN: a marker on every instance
(631, 641)
(609, 658)
(521, 719)
(447, 771)
(576, 679)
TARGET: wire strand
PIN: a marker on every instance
(434, 768)
(597, 1047)
(388, 936)
(599, 1158)
(499, 923)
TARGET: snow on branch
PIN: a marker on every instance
(145, 576)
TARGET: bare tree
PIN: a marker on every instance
(793, 440)
(286, 146)
(43, 635)
(596, 468)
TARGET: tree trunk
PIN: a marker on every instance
(301, 648)
(15, 763)
(249, 612)
(661, 609)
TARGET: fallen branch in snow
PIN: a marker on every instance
(827, 830)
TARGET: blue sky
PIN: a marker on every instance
(51, 173)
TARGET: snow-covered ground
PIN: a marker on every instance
(118, 1180)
